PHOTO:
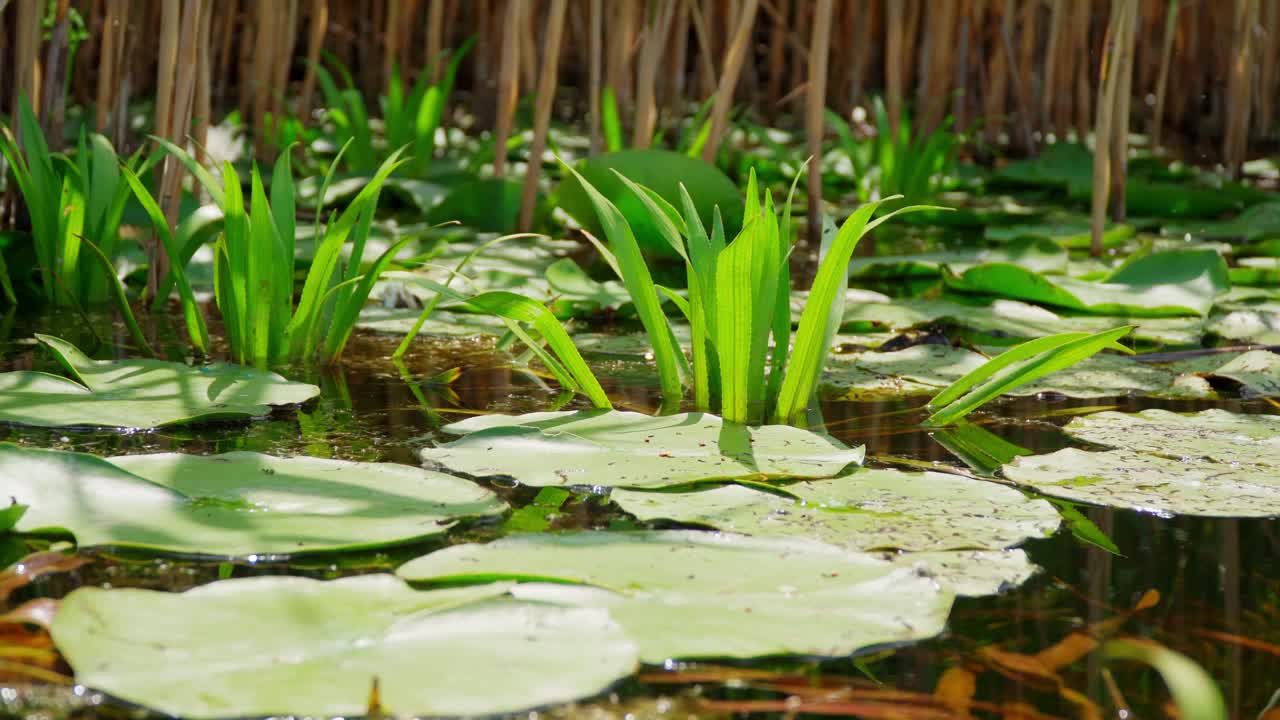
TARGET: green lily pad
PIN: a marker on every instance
(867, 510)
(1010, 319)
(926, 369)
(289, 646)
(698, 594)
(1034, 254)
(1213, 463)
(1256, 223)
(1157, 285)
(140, 393)
(1065, 232)
(627, 449)
(235, 504)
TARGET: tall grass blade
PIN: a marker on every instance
(121, 297)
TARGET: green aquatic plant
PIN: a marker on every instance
(410, 116)
(1017, 366)
(897, 163)
(72, 202)
(746, 364)
(254, 266)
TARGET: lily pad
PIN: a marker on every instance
(140, 393)
(1010, 319)
(1039, 255)
(289, 646)
(868, 510)
(1213, 463)
(1256, 223)
(926, 369)
(1157, 285)
(627, 449)
(235, 504)
(1069, 232)
(697, 594)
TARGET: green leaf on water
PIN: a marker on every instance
(277, 646)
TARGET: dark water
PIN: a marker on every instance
(1218, 580)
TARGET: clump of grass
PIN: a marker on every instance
(254, 266)
(410, 117)
(70, 201)
(896, 163)
(746, 364)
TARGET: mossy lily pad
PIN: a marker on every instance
(627, 449)
(1213, 463)
(697, 594)
(140, 393)
(289, 646)
(867, 510)
(235, 504)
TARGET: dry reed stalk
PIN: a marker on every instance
(545, 97)
(674, 85)
(1162, 82)
(734, 57)
(654, 40)
(1120, 122)
(595, 48)
(182, 33)
(1108, 83)
(1267, 60)
(995, 98)
(202, 110)
(1083, 88)
(706, 58)
(435, 38)
(1235, 136)
(893, 81)
(26, 53)
(508, 83)
(1054, 53)
(777, 57)
(815, 106)
(937, 57)
(866, 18)
(315, 42)
(110, 53)
(529, 50)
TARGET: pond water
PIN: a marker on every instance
(1218, 580)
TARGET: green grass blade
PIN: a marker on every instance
(198, 171)
(639, 283)
(236, 244)
(351, 302)
(196, 328)
(610, 121)
(261, 273)
(1009, 374)
(1194, 692)
(121, 297)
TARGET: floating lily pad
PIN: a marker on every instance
(970, 573)
(1068, 233)
(288, 646)
(627, 449)
(868, 510)
(235, 504)
(1034, 254)
(926, 369)
(1256, 223)
(1010, 319)
(140, 393)
(1213, 463)
(698, 594)
(1157, 285)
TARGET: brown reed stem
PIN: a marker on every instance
(542, 114)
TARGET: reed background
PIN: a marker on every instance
(1010, 72)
